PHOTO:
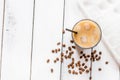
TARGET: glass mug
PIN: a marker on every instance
(88, 34)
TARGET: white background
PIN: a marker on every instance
(48, 31)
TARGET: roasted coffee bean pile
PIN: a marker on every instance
(75, 67)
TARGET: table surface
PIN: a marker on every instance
(22, 34)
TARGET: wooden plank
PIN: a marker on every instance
(75, 11)
(112, 68)
(47, 32)
(17, 40)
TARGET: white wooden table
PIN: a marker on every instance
(21, 37)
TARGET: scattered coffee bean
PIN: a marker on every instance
(96, 56)
(71, 52)
(69, 48)
(81, 52)
(71, 41)
(69, 66)
(80, 69)
(63, 31)
(73, 47)
(69, 71)
(58, 49)
(58, 43)
(61, 60)
(90, 69)
(65, 56)
(81, 57)
(80, 72)
(85, 67)
(72, 66)
(57, 59)
(100, 53)
(83, 70)
(106, 62)
(62, 54)
(53, 51)
(88, 56)
(76, 64)
(94, 51)
(66, 51)
(99, 69)
(99, 58)
(76, 73)
(48, 60)
(87, 71)
(90, 78)
(83, 64)
(51, 70)
(69, 56)
(63, 45)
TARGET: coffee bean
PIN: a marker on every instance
(71, 52)
(66, 51)
(80, 69)
(65, 56)
(76, 73)
(96, 56)
(48, 60)
(94, 51)
(58, 43)
(81, 52)
(63, 45)
(90, 78)
(53, 51)
(76, 64)
(69, 56)
(69, 66)
(106, 62)
(51, 70)
(58, 49)
(69, 71)
(99, 58)
(87, 71)
(73, 47)
(63, 31)
(83, 70)
(84, 56)
(100, 53)
(83, 64)
(69, 48)
(99, 69)
(71, 41)
(57, 59)
(80, 72)
(61, 60)
(90, 69)
(62, 54)
(88, 56)
(81, 57)
(85, 67)
(72, 66)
